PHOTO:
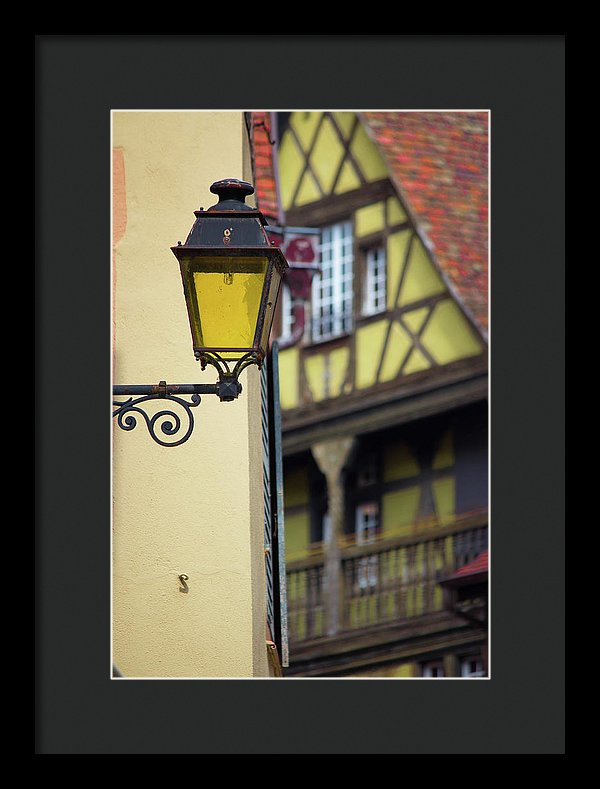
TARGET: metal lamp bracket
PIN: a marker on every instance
(167, 427)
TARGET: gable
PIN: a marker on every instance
(330, 169)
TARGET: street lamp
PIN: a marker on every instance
(231, 275)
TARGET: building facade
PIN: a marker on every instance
(384, 387)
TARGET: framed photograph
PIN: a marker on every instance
(335, 516)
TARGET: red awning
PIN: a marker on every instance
(475, 571)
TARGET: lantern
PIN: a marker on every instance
(231, 276)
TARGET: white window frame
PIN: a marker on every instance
(287, 314)
(326, 527)
(428, 669)
(365, 529)
(332, 289)
(465, 667)
(375, 282)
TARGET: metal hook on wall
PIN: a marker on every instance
(184, 587)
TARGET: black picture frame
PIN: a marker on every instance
(78, 80)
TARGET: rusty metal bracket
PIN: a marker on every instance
(168, 420)
(175, 430)
(273, 658)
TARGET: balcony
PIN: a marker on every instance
(389, 581)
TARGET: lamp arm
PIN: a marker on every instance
(168, 421)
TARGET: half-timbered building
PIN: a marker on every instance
(383, 370)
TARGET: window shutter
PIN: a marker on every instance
(273, 505)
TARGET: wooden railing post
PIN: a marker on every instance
(331, 457)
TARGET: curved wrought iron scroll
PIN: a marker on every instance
(167, 421)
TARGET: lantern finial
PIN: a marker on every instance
(232, 195)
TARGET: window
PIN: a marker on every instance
(287, 315)
(471, 667)
(434, 669)
(374, 292)
(332, 302)
(367, 523)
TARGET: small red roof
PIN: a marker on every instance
(476, 567)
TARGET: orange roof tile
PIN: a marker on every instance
(265, 183)
(439, 164)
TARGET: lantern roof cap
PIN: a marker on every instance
(232, 195)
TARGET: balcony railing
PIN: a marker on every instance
(382, 582)
(305, 599)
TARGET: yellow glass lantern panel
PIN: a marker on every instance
(228, 293)
(271, 303)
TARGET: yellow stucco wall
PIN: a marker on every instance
(197, 508)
